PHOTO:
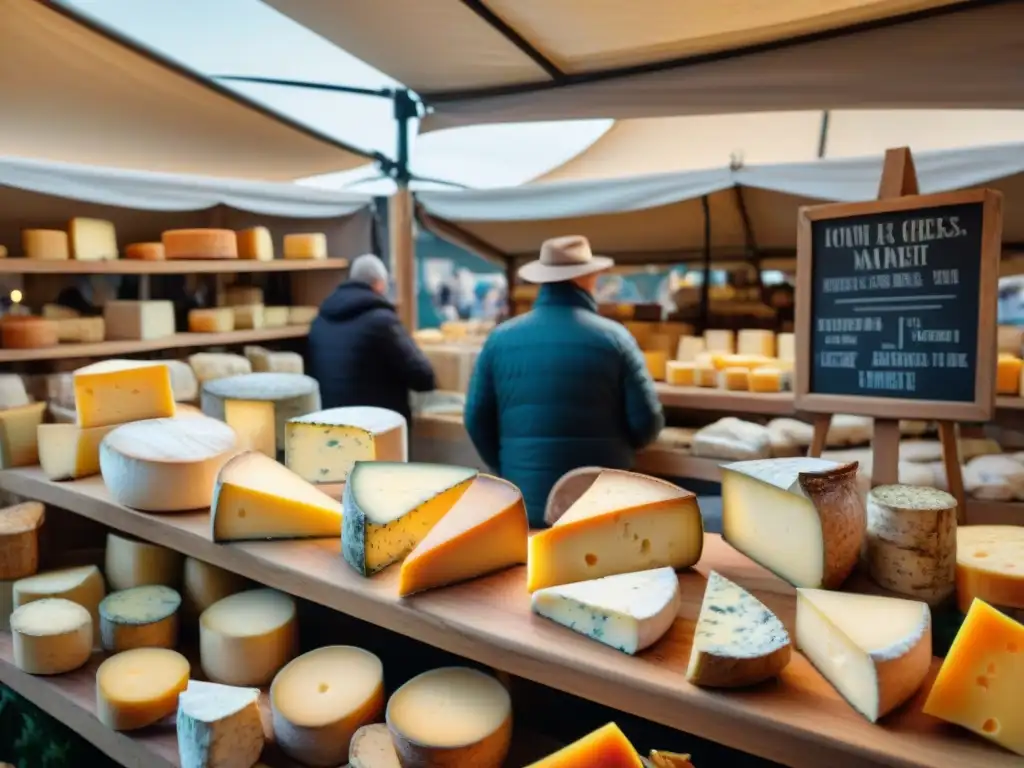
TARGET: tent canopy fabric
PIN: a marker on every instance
(77, 92)
(479, 61)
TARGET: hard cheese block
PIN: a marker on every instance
(389, 508)
(200, 244)
(140, 617)
(451, 716)
(629, 611)
(737, 641)
(51, 636)
(19, 436)
(68, 451)
(216, 320)
(116, 391)
(623, 522)
(204, 584)
(248, 316)
(92, 239)
(138, 320)
(19, 539)
(305, 246)
(321, 698)
(756, 342)
(219, 726)
(165, 465)
(486, 530)
(83, 585)
(875, 651)
(607, 747)
(322, 447)
(988, 567)
(801, 518)
(254, 497)
(255, 243)
(372, 747)
(133, 563)
(81, 330)
(139, 687)
(246, 638)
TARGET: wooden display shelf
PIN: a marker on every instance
(177, 341)
(172, 267)
(708, 399)
(797, 721)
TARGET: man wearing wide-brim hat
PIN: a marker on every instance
(560, 387)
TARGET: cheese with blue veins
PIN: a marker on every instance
(218, 726)
(323, 447)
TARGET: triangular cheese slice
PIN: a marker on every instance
(255, 497)
(485, 531)
(219, 724)
(390, 507)
(876, 651)
(629, 612)
(737, 641)
(606, 747)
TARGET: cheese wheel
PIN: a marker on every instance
(145, 251)
(372, 747)
(19, 539)
(165, 465)
(453, 716)
(204, 584)
(255, 243)
(243, 295)
(988, 567)
(50, 637)
(247, 637)
(305, 246)
(200, 244)
(83, 585)
(323, 447)
(45, 244)
(139, 687)
(319, 700)
(217, 320)
(22, 332)
(140, 617)
(133, 563)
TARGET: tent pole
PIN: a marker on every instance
(705, 286)
(401, 234)
(826, 117)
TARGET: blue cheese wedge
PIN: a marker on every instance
(218, 726)
(323, 447)
(628, 611)
(738, 641)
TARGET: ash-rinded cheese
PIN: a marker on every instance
(133, 563)
(118, 391)
(390, 507)
(139, 687)
(19, 435)
(989, 562)
(140, 617)
(255, 243)
(51, 636)
(372, 747)
(607, 746)
(165, 465)
(911, 541)
(801, 518)
(219, 726)
(138, 320)
(451, 716)
(629, 611)
(246, 638)
(321, 698)
(19, 539)
(737, 640)
(323, 447)
(83, 585)
(875, 651)
(255, 497)
(68, 451)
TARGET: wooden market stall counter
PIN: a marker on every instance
(798, 721)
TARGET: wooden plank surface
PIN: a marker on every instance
(798, 720)
(707, 399)
(172, 267)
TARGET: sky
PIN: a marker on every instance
(246, 37)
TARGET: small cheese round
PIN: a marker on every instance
(83, 585)
(137, 688)
(247, 637)
(372, 747)
(144, 251)
(451, 716)
(18, 332)
(133, 563)
(200, 244)
(165, 465)
(321, 698)
(51, 636)
(19, 540)
(140, 617)
(205, 584)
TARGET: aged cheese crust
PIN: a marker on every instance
(19, 540)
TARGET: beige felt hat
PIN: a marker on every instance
(564, 258)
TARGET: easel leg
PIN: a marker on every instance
(885, 452)
(951, 462)
(822, 424)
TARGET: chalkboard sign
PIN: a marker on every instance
(896, 307)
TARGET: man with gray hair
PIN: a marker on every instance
(358, 350)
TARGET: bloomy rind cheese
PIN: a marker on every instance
(247, 637)
(988, 567)
(139, 687)
(19, 539)
(372, 747)
(219, 726)
(51, 636)
(133, 563)
(140, 617)
(607, 746)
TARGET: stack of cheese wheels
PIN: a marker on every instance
(200, 244)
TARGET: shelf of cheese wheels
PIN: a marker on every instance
(776, 626)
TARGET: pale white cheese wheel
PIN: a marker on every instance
(292, 394)
(247, 637)
(132, 563)
(51, 636)
(165, 465)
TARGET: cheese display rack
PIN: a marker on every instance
(803, 722)
(141, 267)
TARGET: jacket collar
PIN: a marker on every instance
(566, 294)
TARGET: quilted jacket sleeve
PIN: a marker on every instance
(644, 415)
(481, 413)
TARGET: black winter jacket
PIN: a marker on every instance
(361, 355)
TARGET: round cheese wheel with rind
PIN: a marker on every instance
(165, 465)
(139, 687)
(246, 638)
(140, 617)
(292, 394)
(51, 636)
(131, 563)
(19, 539)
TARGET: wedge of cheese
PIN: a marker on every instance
(624, 522)
(988, 567)
(629, 611)
(254, 497)
(19, 438)
(875, 651)
(390, 508)
(486, 530)
(801, 518)
(218, 725)
(117, 391)
(737, 641)
(322, 447)
(607, 747)
(68, 451)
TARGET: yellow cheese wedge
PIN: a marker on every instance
(247, 637)
(19, 435)
(68, 451)
(1008, 371)
(736, 379)
(607, 746)
(139, 687)
(51, 636)
(989, 562)
(706, 375)
(116, 391)
(19, 539)
(765, 379)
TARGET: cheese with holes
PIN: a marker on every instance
(989, 562)
(875, 651)
(372, 747)
(911, 541)
(737, 641)
(305, 246)
(19, 539)
(92, 240)
(451, 716)
(133, 563)
(765, 379)
(751, 341)
(255, 243)
(720, 341)
(219, 726)
(1008, 370)
(287, 394)
(139, 687)
(390, 507)
(23, 332)
(655, 362)
(247, 316)
(51, 636)
(140, 617)
(138, 320)
(486, 530)
(83, 585)
(606, 747)
(266, 361)
(681, 374)
(200, 244)
(247, 637)
(623, 522)
(19, 435)
(208, 366)
(322, 447)
(628, 611)
(215, 320)
(735, 379)
(145, 251)
(321, 698)
(165, 465)
(978, 685)
(45, 244)
(302, 315)
(689, 347)
(204, 584)
(275, 317)
(68, 451)
(801, 518)
(255, 497)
